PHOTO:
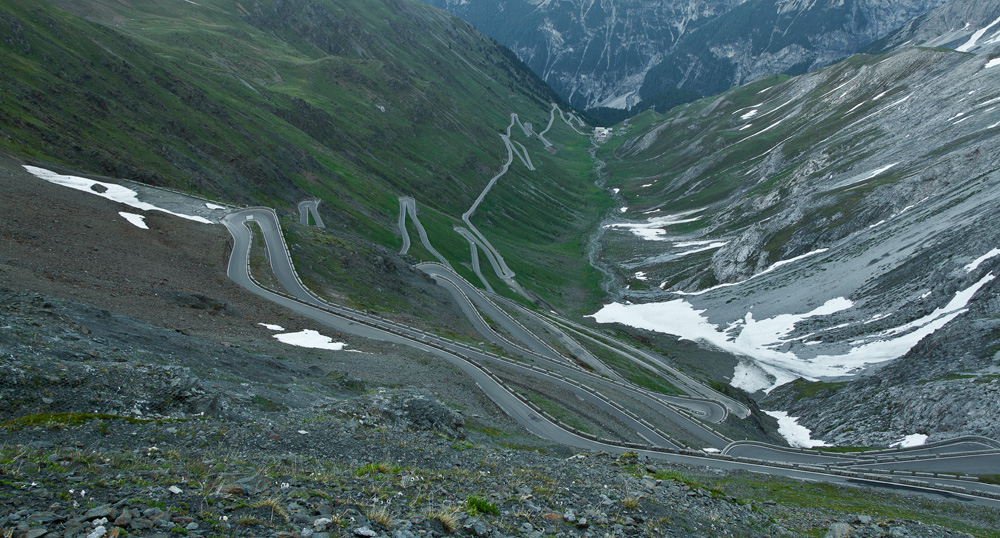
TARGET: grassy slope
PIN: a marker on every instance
(259, 102)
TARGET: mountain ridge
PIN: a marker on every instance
(618, 54)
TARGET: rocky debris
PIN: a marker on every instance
(863, 526)
(495, 493)
(390, 462)
(408, 409)
(196, 301)
(740, 258)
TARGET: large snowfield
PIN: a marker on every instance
(766, 341)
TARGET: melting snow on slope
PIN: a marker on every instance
(764, 272)
(867, 175)
(652, 229)
(975, 264)
(916, 439)
(271, 327)
(110, 191)
(138, 220)
(797, 435)
(311, 339)
(764, 340)
(213, 206)
(976, 37)
(704, 245)
(762, 131)
(749, 115)
(992, 63)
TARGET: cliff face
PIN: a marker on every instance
(619, 53)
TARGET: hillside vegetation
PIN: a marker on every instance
(271, 102)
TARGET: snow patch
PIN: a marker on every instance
(138, 220)
(111, 191)
(271, 327)
(764, 272)
(797, 435)
(749, 115)
(750, 377)
(762, 131)
(767, 341)
(311, 339)
(709, 246)
(971, 43)
(975, 264)
(916, 439)
(653, 228)
(641, 275)
(901, 101)
(214, 206)
(867, 175)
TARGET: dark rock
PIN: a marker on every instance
(104, 511)
(37, 532)
(140, 524)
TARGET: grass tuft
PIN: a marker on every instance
(477, 505)
(377, 469)
(448, 517)
(381, 515)
(274, 505)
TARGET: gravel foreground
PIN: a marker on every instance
(97, 442)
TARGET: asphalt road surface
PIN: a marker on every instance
(347, 320)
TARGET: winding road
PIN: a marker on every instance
(310, 207)
(470, 360)
(408, 206)
(918, 470)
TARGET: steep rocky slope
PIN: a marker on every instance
(620, 53)
(280, 449)
(958, 24)
(820, 227)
